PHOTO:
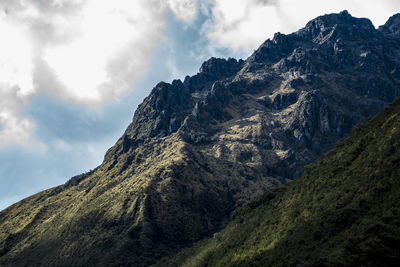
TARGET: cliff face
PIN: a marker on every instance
(343, 211)
(198, 149)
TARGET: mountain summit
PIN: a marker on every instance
(198, 149)
(392, 26)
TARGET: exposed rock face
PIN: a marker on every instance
(392, 26)
(199, 148)
(342, 211)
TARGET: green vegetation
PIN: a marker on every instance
(343, 211)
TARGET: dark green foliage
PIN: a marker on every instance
(343, 211)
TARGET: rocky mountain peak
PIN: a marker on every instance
(334, 19)
(392, 26)
(320, 38)
(333, 43)
(221, 67)
(333, 27)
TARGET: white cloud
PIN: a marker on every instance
(15, 82)
(111, 50)
(244, 25)
(15, 57)
(87, 51)
(15, 128)
(185, 10)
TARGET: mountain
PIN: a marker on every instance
(343, 211)
(198, 149)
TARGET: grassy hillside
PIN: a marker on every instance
(343, 211)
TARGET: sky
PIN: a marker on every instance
(72, 72)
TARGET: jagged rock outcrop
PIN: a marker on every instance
(392, 26)
(198, 149)
(343, 210)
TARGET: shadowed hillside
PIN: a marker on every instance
(343, 211)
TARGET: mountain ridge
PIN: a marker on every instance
(197, 149)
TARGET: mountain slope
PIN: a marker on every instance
(198, 149)
(343, 211)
